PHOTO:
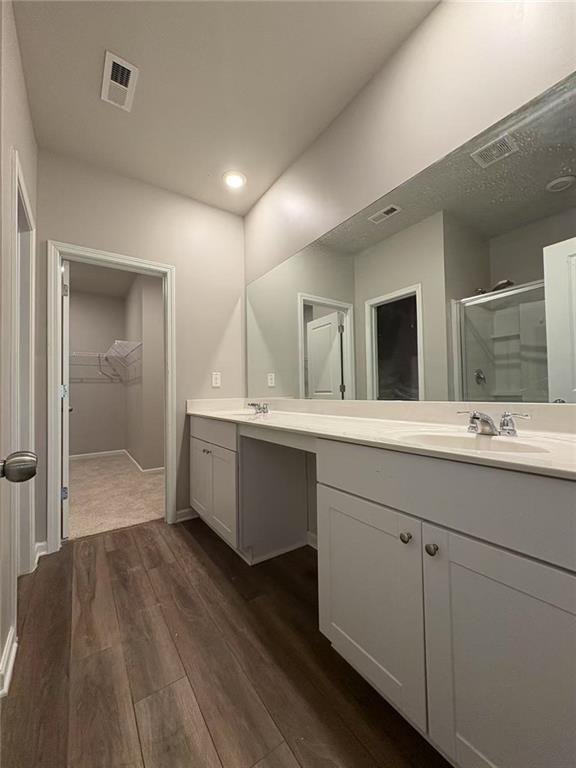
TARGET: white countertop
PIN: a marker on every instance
(554, 453)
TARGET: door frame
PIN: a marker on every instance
(56, 253)
(370, 307)
(347, 310)
(24, 496)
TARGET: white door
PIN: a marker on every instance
(325, 357)
(370, 589)
(65, 402)
(201, 477)
(501, 655)
(24, 412)
(560, 291)
(224, 497)
(17, 462)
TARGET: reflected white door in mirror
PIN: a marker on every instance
(560, 280)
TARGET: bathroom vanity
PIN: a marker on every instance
(447, 575)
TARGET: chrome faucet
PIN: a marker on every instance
(507, 425)
(481, 423)
(262, 408)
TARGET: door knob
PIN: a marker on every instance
(19, 466)
(432, 549)
(405, 537)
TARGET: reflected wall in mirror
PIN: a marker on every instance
(458, 285)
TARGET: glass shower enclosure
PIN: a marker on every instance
(501, 340)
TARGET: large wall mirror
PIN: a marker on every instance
(458, 285)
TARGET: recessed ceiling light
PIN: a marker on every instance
(234, 179)
(560, 184)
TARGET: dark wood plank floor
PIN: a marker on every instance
(157, 647)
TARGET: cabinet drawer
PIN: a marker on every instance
(527, 513)
(213, 431)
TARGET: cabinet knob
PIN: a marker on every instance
(432, 549)
(405, 537)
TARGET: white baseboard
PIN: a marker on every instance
(152, 469)
(96, 454)
(118, 452)
(40, 548)
(312, 539)
(7, 661)
(186, 514)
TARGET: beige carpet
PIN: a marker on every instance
(108, 492)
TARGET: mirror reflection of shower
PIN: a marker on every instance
(503, 353)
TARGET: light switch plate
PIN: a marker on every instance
(216, 379)
(271, 379)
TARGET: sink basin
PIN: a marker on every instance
(469, 442)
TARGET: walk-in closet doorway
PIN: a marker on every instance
(111, 402)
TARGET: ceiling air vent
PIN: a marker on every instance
(385, 213)
(495, 151)
(119, 81)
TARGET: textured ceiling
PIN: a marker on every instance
(492, 200)
(223, 85)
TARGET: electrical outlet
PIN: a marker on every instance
(216, 379)
(271, 379)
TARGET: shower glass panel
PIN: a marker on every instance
(503, 346)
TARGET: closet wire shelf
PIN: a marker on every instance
(120, 364)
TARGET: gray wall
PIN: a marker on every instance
(415, 255)
(466, 259)
(145, 395)
(517, 255)
(272, 317)
(98, 421)
(83, 205)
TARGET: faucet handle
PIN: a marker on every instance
(507, 425)
(474, 417)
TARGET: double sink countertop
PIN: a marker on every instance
(543, 453)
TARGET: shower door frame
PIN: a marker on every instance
(58, 252)
(457, 310)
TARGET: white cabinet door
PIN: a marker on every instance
(371, 602)
(501, 655)
(201, 477)
(224, 516)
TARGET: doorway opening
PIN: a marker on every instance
(114, 420)
(111, 415)
(326, 348)
(394, 354)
